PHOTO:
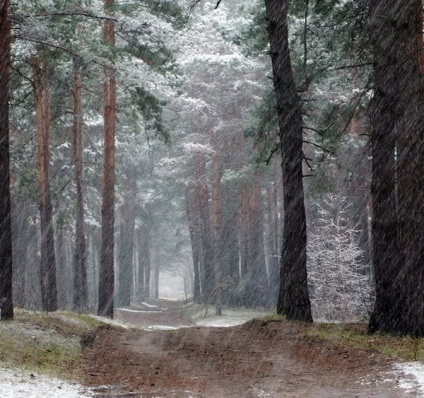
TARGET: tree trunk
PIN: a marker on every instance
(156, 275)
(126, 247)
(208, 280)
(42, 112)
(21, 240)
(293, 299)
(64, 272)
(420, 36)
(6, 300)
(217, 241)
(386, 251)
(144, 263)
(106, 277)
(257, 284)
(410, 170)
(398, 156)
(80, 295)
(94, 244)
(273, 252)
(244, 239)
(192, 213)
(230, 256)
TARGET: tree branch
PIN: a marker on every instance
(320, 147)
(354, 66)
(68, 14)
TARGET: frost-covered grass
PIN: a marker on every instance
(45, 343)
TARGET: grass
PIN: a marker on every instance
(51, 343)
(355, 335)
(46, 343)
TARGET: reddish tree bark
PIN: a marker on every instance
(107, 275)
(216, 222)
(42, 112)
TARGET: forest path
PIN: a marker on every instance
(257, 359)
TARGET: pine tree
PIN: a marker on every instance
(106, 279)
(293, 300)
(41, 70)
(398, 178)
(6, 301)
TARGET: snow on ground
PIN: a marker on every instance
(412, 377)
(229, 317)
(140, 311)
(149, 305)
(109, 321)
(19, 383)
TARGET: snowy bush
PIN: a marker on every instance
(338, 278)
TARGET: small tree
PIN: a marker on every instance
(340, 286)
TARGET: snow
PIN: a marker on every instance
(18, 383)
(140, 311)
(412, 378)
(229, 318)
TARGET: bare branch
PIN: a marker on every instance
(361, 65)
(276, 148)
(320, 147)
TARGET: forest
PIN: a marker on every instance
(265, 154)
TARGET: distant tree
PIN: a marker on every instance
(106, 278)
(340, 286)
(80, 295)
(125, 250)
(207, 274)
(293, 300)
(144, 263)
(6, 301)
(80, 288)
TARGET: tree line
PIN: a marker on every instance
(251, 238)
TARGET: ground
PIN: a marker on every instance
(260, 358)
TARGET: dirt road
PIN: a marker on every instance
(257, 359)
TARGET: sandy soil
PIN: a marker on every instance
(257, 359)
